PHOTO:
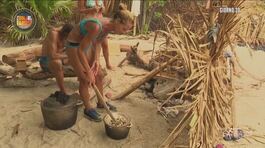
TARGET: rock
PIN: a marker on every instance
(170, 112)
(163, 87)
(148, 86)
(150, 95)
(176, 102)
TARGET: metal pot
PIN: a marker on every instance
(59, 117)
(117, 132)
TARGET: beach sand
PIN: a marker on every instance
(20, 108)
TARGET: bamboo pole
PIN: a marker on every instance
(100, 97)
(147, 77)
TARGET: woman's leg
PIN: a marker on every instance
(84, 93)
(79, 71)
(83, 84)
(99, 80)
(99, 77)
(75, 62)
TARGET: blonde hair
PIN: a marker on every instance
(123, 15)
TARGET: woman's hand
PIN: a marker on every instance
(90, 78)
(95, 67)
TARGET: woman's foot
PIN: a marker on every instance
(92, 115)
(111, 107)
(110, 67)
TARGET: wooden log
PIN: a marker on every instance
(122, 61)
(7, 70)
(147, 77)
(125, 48)
(24, 83)
(135, 57)
(40, 75)
(134, 74)
(30, 54)
(21, 65)
(138, 59)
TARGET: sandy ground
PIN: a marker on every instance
(250, 100)
(22, 106)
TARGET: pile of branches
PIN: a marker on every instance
(252, 31)
(173, 70)
(212, 92)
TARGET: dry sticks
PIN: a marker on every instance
(210, 110)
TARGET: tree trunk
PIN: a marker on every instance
(144, 5)
(28, 54)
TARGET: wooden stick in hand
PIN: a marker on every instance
(100, 97)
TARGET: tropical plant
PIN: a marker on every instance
(149, 11)
(46, 11)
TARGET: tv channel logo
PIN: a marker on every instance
(24, 20)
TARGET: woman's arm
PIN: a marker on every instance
(87, 42)
(105, 49)
(85, 64)
(96, 58)
(52, 48)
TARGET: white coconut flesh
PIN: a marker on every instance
(121, 120)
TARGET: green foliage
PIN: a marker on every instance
(152, 6)
(158, 15)
(145, 29)
(46, 11)
(157, 2)
(16, 36)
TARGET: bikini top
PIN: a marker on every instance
(92, 3)
(84, 32)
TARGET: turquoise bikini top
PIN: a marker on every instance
(83, 30)
(83, 22)
(92, 3)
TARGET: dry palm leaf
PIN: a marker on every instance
(211, 109)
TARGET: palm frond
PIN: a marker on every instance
(211, 109)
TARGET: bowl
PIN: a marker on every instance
(117, 132)
(59, 116)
